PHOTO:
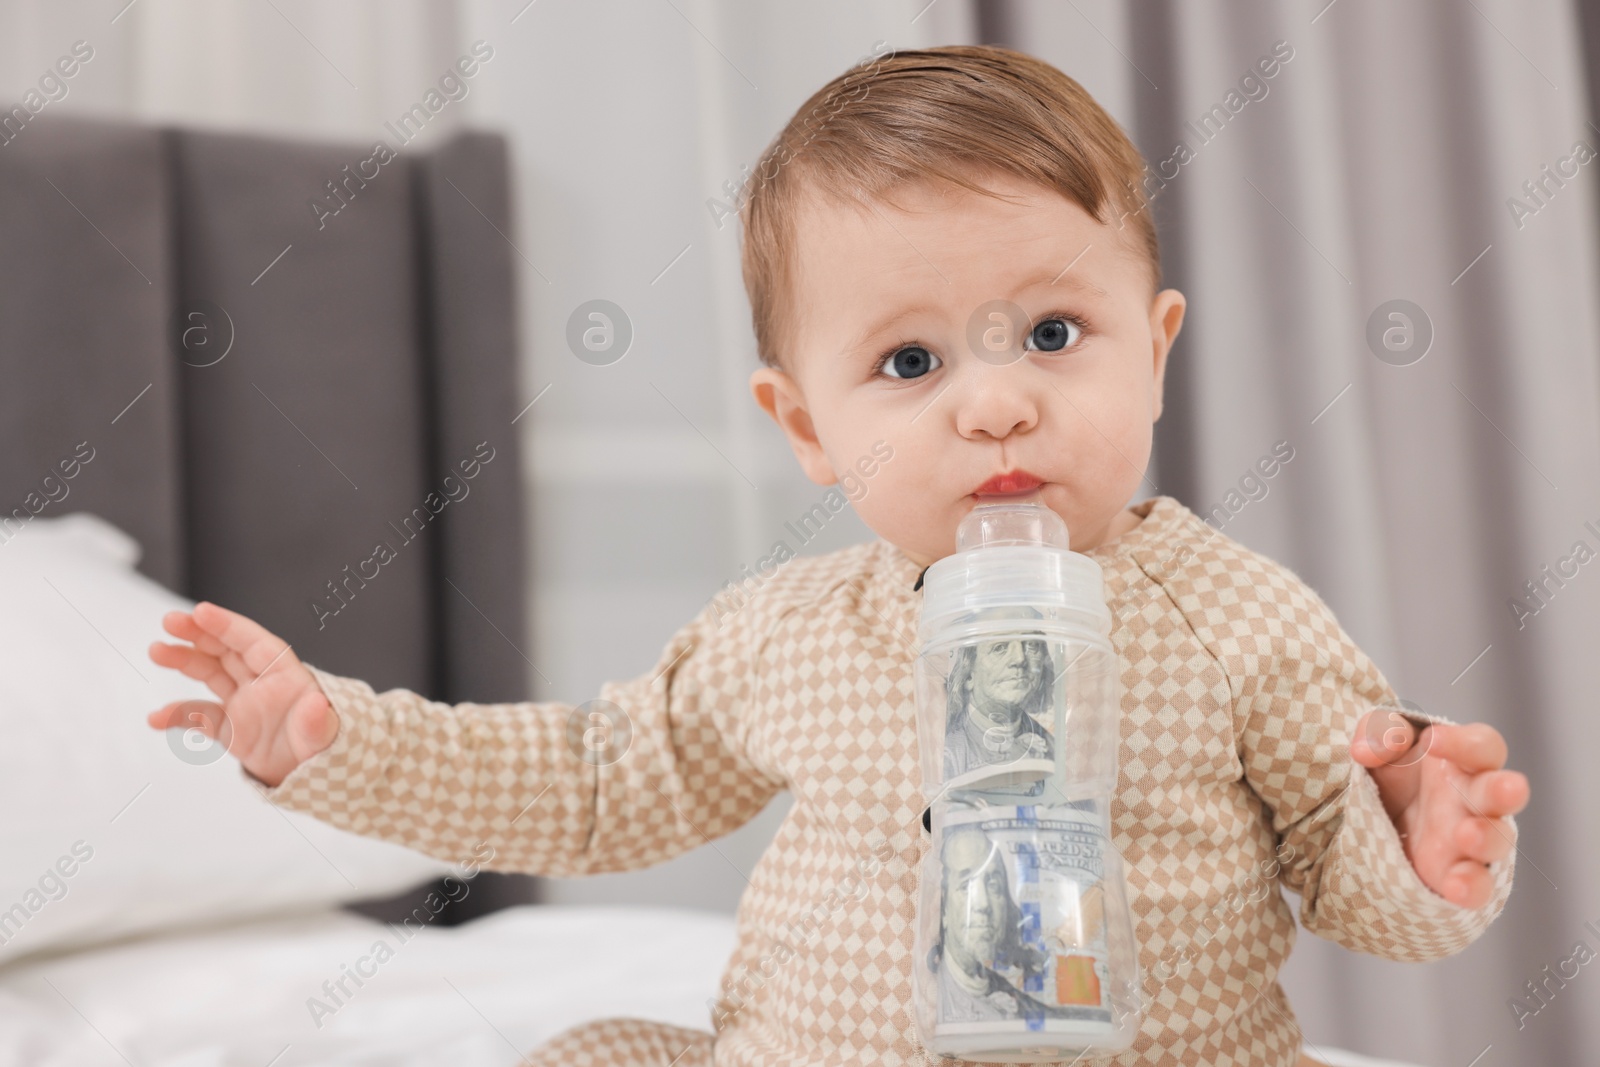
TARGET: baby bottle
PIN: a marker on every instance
(1024, 941)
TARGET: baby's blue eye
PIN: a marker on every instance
(1054, 334)
(912, 361)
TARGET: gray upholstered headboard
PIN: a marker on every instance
(365, 360)
(271, 390)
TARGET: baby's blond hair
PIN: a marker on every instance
(952, 114)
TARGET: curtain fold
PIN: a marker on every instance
(1431, 480)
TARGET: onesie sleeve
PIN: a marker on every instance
(1301, 687)
(650, 769)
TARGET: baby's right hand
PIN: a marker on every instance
(273, 717)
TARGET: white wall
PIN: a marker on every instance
(290, 67)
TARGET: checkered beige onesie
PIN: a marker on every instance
(1241, 694)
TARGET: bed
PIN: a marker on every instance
(253, 396)
(251, 994)
(209, 392)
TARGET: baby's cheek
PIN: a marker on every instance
(895, 509)
(1121, 435)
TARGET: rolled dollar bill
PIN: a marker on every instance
(1022, 946)
(1003, 705)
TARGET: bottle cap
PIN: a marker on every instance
(1013, 568)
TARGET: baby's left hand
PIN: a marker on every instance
(1447, 796)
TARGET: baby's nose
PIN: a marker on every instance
(996, 402)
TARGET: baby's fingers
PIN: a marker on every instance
(256, 645)
(1494, 793)
(1473, 746)
(202, 715)
(181, 624)
(1484, 840)
(196, 664)
(1468, 884)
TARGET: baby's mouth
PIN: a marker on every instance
(1011, 483)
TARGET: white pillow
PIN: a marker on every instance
(110, 828)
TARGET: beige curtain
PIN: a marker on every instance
(1431, 480)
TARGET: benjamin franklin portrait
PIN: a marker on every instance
(980, 937)
(995, 696)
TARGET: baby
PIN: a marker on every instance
(956, 293)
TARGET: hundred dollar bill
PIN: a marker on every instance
(1003, 707)
(1022, 928)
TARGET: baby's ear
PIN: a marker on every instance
(779, 396)
(1166, 319)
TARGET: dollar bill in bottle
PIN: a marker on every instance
(1003, 707)
(1022, 932)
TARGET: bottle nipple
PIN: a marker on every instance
(1011, 523)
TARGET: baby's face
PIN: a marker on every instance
(895, 342)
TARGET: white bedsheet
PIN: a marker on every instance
(480, 994)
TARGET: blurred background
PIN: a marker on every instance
(1388, 247)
